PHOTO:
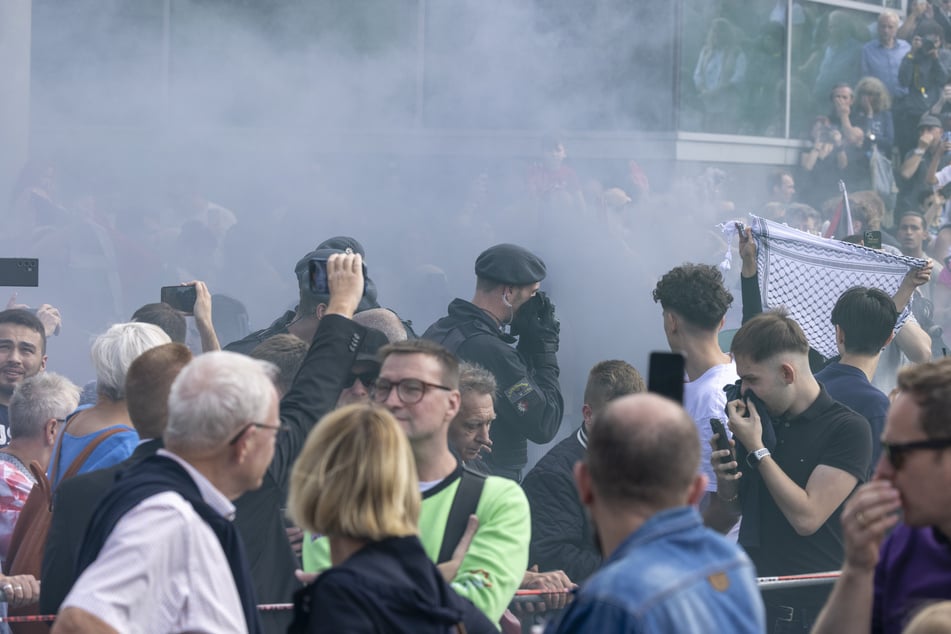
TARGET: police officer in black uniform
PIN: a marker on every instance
(529, 405)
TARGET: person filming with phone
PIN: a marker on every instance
(799, 455)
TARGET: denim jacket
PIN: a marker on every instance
(671, 575)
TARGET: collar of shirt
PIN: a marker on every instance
(212, 496)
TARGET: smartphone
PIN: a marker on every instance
(723, 441)
(665, 375)
(318, 277)
(19, 272)
(180, 298)
(873, 239)
(317, 268)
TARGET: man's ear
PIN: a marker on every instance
(321, 310)
(455, 404)
(697, 489)
(587, 413)
(788, 373)
(583, 483)
(839, 336)
(51, 429)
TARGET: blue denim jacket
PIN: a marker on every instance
(671, 575)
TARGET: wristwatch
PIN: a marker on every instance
(753, 458)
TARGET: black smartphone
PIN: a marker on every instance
(723, 441)
(19, 272)
(317, 268)
(180, 298)
(665, 375)
(873, 239)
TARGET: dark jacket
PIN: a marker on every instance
(562, 535)
(260, 514)
(74, 501)
(386, 587)
(529, 405)
(250, 342)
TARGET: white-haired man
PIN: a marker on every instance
(161, 548)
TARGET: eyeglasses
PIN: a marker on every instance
(895, 452)
(367, 378)
(277, 430)
(409, 391)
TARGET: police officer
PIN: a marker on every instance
(529, 405)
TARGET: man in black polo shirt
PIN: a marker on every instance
(797, 468)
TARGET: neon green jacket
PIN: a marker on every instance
(498, 556)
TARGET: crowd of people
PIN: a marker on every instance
(376, 464)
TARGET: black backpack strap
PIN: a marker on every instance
(464, 504)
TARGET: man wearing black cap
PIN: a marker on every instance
(529, 404)
(302, 322)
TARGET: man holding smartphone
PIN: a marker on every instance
(796, 472)
(695, 302)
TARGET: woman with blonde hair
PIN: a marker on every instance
(355, 482)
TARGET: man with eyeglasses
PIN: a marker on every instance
(162, 548)
(530, 404)
(897, 527)
(419, 384)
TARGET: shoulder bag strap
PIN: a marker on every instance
(464, 504)
(88, 449)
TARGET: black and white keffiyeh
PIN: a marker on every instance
(806, 274)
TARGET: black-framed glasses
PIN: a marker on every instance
(277, 430)
(409, 391)
(895, 452)
(367, 378)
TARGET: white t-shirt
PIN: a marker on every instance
(704, 399)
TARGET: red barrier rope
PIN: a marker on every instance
(815, 578)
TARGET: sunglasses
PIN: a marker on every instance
(367, 378)
(896, 452)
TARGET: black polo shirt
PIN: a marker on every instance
(826, 433)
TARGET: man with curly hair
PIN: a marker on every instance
(694, 301)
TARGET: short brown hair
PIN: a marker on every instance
(447, 360)
(635, 460)
(356, 477)
(767, 335)
(930, 385)
(608, 380)
(285, 351)
(148, 383)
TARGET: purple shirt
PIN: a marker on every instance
(914, 570)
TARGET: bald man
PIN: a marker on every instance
(663, 570)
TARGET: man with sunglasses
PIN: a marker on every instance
(885, 580)
(419, 384)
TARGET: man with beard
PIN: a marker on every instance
(22, 355)
(529, 404)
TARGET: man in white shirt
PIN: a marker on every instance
(161, 553)
(695, 302)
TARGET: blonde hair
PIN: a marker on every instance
(356, 477)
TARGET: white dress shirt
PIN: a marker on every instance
(163, 570)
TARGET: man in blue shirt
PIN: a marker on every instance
(881, 58)
(663, 570)
(864, 320)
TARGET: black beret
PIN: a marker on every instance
(510, 264)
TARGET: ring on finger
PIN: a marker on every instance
(861, 518)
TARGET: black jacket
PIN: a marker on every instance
(529, 405)
(74, 501)
(562, 535)
(260, 513)
(386, 587)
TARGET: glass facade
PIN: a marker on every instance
(767, 68)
